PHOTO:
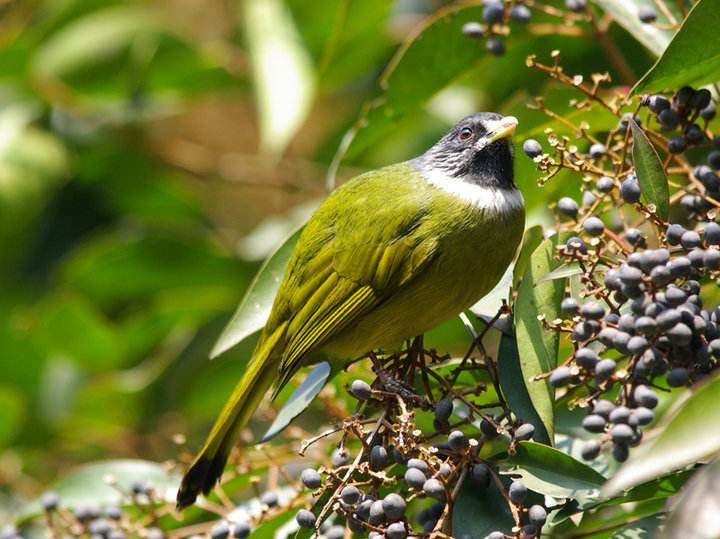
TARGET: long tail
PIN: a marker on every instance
(209, 464)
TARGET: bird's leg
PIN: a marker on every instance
(393, 386)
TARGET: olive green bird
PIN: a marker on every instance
(388, 256)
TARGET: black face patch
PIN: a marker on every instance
(457, 155)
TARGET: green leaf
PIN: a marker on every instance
(299, 400)
(99, 34)
(690, 435)
(531, 239)
(663, 487)
(515, 389)
(562, 272)
(429, 60)
(282, 72)
(627, 521)
(536, 346)
(551, 472)
(88, 484)
(650, 173)
(695, 511)
(118, 267)
(625, 13)
(643, 528)
(693, 55)
(478, 513)
(255, 307)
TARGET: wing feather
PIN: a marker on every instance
(347, 264)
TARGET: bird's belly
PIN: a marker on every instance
(468, 266)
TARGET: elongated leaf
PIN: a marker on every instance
(299, 400)
(96, 35)
(693, 55)
(628, 521)
(254, 308)
(514, 388)
(554, 473)
(690, 435)
(538, 347)
(88, 485)
(282, 70)
(625, 13)
(695, 512)
(531, 239)
(650, 173)
(561, 273)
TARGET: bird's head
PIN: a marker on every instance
(476, 150)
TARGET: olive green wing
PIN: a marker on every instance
(348, 291)
(358, 264)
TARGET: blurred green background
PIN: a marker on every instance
(153, 153)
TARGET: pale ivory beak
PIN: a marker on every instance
(503, 128)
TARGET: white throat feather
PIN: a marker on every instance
(492, 199)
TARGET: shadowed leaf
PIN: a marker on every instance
(514, 388)
(299, 400)
(650, 173)
(478, 513)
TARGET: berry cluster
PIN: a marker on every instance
(400, 484)
(111, 521)
(636, 316)
(680, 113)
(495, 15)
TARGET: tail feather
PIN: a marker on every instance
(208, 466)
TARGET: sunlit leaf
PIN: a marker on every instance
(99, 34)
(690, 435)
(693, 55)
(554, 473)
(255, 307)
(628, 521)
(625, 13)
(562, 272)
(536, 346)
(299, 400)
(531, 239)
(282, 69)
(650, 173)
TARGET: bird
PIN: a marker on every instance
(386, 257)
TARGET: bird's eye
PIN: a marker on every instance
(465, 133)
